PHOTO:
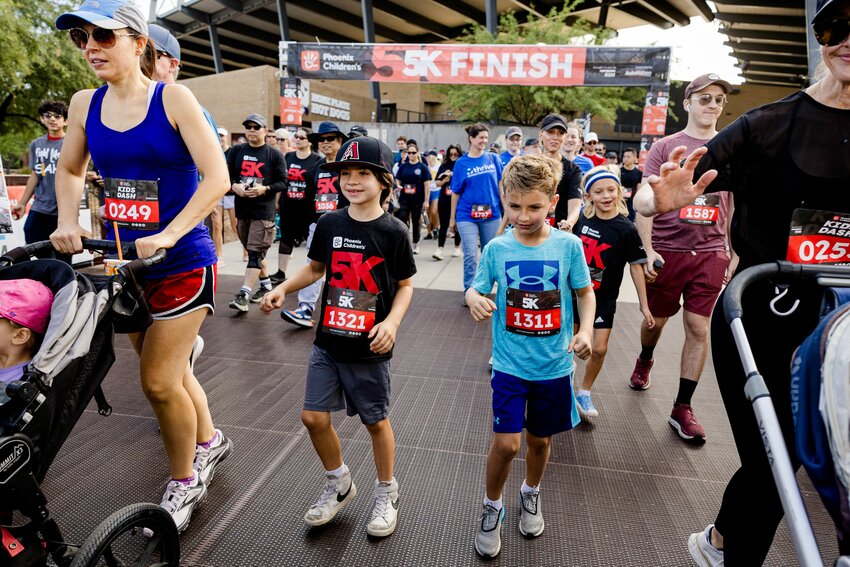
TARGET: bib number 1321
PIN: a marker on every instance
(533, 313)
(349, 313)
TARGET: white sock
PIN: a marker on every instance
(338, 472)
(266, 283)
(497, 504)
(584, 392)
(246, 290)
(525, 489)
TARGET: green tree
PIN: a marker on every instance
(36, 62)
(529, 104)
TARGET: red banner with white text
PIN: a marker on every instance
(539, 65)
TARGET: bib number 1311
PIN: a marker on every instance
(533, 313)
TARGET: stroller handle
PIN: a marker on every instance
(787, 270)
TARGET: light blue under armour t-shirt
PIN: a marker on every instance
(533, 323)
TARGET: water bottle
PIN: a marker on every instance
(656, 265)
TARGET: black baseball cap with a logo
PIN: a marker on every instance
(363, 150)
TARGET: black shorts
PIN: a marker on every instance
(604, 318)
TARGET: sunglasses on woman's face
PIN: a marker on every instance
(298, 137)
(833, 32)
(102, 36)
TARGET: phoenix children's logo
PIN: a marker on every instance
(532, 275)
(310, 60)
(352, 152)
(337, 242)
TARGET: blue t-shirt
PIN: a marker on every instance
(583, 163)
(505, 157)
(532, 333)
(476, 180)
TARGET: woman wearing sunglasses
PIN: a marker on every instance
(787, 160)
(146, 139)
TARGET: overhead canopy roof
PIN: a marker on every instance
(767, 35)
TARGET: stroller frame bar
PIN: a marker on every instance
(757, 393)
(777, 453)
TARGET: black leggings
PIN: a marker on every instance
(410, 213)
(444, 208)
(751, 509)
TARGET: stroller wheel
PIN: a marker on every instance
(118, 540)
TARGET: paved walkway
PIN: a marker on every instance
(623, 490)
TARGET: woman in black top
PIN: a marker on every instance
(414, 177)
(790, 155)
(444, 178)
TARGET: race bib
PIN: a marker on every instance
(627, 192)
(349, 313)
(294, 194)
(704, 211)
(132, 203)
(533, 313)
(819, 237)
(481, 212)
(448, 191)
(596, 276)
(409, 189)
(326, 202)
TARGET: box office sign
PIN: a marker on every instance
(480, 64)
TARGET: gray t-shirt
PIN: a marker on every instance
(44, 154)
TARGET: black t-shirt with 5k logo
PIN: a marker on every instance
(364, 261)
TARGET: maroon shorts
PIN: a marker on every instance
(698, 278)
(173, 296)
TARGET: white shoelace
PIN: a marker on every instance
(175, 494)
(382, 505)
(529, 501)
(331, 489)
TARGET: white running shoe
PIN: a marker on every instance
(338, 492)
(438, 254)
(701, 550)
(206, 460)
(385, 513)
(456, 253)
(180, 500)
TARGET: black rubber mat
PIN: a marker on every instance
(622, 491)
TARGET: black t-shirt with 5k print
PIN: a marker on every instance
(297, 201)
(257, 166)
(364, 261)
(326, 196)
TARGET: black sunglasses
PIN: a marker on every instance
(297, 137)
(49, 115)
(833, 32)
(102, 36)
(253, 127)
(327, 138)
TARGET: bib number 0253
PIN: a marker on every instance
(819, 237)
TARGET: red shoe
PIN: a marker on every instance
(640, 375)
(683, 421)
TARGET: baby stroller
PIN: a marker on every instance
(46, 403)
(822, 437)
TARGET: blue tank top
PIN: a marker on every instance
(152, 150)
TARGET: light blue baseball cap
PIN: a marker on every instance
(108, 14)
(164, 41)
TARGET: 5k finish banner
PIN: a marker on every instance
(480, 64)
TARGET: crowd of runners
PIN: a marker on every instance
(553, 222)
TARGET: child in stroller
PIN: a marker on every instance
(24, 311)
(46, 396)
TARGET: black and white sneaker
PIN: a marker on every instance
(240, 302)
(259, 294)
(338, 492)
(181, 499)
(197, 349)
(206, 460)
(278, 277)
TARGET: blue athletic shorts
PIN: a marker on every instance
(360, 388)
(543, 407)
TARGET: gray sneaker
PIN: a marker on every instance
(385, 513)
(338, 492)
(240, 302)
(488, 539)
(701, 550)
(530, 517)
